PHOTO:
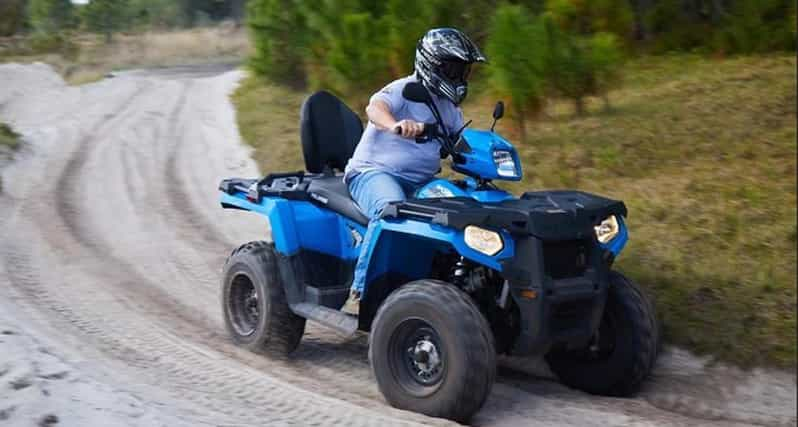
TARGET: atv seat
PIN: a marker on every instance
(332, 193)
(330, 133)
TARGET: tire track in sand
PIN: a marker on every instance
(199, 378)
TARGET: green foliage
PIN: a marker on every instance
(593, 16)
(763, 25)
(535, 57)
(156, 13)
(278, 30)
(12, 16)
(8, 138)
(739, 26)
(516, 49)
(50, 16)
(356, 56)
(406, 22)
(578, 66)
(106, 16)
(350, 42)
(58, 43)
(605, 59)
(537, 48)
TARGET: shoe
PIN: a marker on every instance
(352, 304)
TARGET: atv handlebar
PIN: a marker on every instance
(430, 132)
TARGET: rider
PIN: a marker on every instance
(388, 165)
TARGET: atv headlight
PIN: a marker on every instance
(484, 241)
(607, 230)
(505, 164)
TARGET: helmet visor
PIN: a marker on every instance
(457, 71)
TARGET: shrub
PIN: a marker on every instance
(50, 16)
(278, 29)
(8, 138)
(517, 48)
(53, 43)
(579, 66)
(605, 59)
(105, 16)
(407, 21)
(349, 46)
(12, 16)
(357, 57)
(156, 13)
(587, 17)
(756, 26)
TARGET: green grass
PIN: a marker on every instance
(8, 138)
(703, 152)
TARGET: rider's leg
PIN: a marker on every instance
(372, 191)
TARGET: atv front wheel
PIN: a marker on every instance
(623, 352)
(256, 313)
(432, 351)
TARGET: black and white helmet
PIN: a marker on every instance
(443, 62)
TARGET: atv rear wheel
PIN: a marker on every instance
(432, 351)
(256, 313)
(623, 352)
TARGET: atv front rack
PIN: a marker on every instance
(550, 215)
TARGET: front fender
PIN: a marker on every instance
(408, 247)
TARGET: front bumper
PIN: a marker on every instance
(557, 304)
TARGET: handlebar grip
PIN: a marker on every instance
(428, 127)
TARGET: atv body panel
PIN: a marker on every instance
(441, 188)
(476, 157)
(545, 288)
(549, 249)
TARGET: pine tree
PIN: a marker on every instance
(50, 16)
(106, 16)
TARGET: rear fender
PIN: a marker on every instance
(297, 224)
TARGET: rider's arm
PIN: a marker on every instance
(379, 113)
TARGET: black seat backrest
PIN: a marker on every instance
(330, 132)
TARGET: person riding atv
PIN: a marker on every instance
(388, 165)
(443, 274)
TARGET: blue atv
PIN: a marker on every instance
(458, 274)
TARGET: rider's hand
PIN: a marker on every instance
(408, 128)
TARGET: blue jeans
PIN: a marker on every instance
(372, 190)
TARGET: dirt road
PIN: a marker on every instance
(111, 249)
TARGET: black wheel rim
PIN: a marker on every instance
(417, 357)
(243, 307)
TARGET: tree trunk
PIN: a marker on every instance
(520, 119)
(579, 105)
(640, 9)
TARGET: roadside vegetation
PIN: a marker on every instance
(9, 140)
(702, 150)
(86, 42)
(83, 58)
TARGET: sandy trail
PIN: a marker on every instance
(112, 244)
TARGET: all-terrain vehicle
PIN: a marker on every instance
(458, 274)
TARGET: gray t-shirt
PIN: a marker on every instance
(386, 151)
